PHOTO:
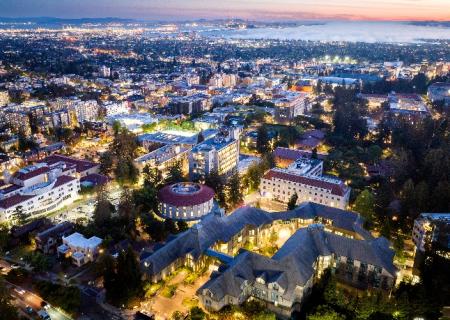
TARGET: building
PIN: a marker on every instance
(36, 190)
(289, 105)
(86, 110)
(340, 243)
(220, 154)
(284, 157)
(49, 239)
(190, 104)
(72, 166)
(246, 225)
(132, 122)
(431, 231)
(304, 178)
(439, 91)
(80, 249)
(409, 106)
(114, 108)
(164, 158)
(283, 281)
(105, 72)
(186, 201)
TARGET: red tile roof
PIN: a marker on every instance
(168, 196)
(28, 175)
(13, 200)
(81, 165)
(336, 189)
(63, 180)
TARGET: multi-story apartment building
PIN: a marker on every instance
(431, 231)
(86, 110)
(164, 158)
(304, 178)
(289, 104)
(220, 154)
(36, 190)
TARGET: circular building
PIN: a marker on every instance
(186, 201)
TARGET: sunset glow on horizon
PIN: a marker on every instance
(380, 10)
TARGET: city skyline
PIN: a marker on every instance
(398, 10)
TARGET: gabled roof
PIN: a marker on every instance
(212, 229)
(13, 200)
(292, 265)
(80, 165)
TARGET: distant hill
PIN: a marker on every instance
(52, 20)
(445, 24)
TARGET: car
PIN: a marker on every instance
(43, 315)
(19, 291)
(29, 310)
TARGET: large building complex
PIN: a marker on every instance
(286, 279)
(304, 178)
(36, 190)
(220, 154)
(340, 241)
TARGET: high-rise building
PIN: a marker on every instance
(220, 154)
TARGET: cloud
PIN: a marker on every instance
(346, 31)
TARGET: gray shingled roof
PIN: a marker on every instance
(212, 228)
(292, 264)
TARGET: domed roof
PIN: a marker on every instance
(185, 194)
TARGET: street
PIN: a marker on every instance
(24, 298)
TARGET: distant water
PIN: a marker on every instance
(393, 32)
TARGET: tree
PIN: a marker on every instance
(103, 210)
(325, 313)
(348, 121)
(106, 163)
(122, 277)
(196, 313)
(253, 176)
(234, 190)
(4, 237)
(20, 217)
(216, 182)
(365, 205)
(7, 310)
(126, 208)
(262, 142)
(292, 204)
(175, 174)
(152, 176)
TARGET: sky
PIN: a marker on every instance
(247, 9)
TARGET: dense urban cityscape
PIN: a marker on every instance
(182, 170)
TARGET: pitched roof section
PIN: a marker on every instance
(13, 200)
(80, 165)
(212, 229)
(292, 265)
(25, 175)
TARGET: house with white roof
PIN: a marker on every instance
(79, 248)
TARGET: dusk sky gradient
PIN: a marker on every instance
(246, 9)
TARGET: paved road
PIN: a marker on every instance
(26, 298)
